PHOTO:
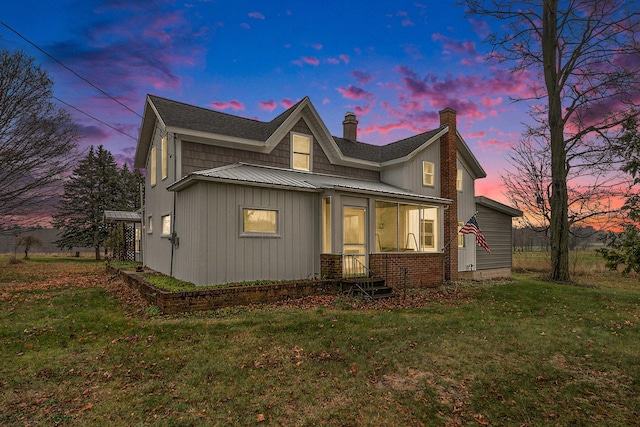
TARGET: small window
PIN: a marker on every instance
(427, 236)
(460, 235)
(427, 174)
(459, 180)
(259, 222)
(153, 166)
(301, 152)
(166, 225)
(165, 157)
(150, 224)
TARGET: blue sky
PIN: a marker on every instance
(395, 63)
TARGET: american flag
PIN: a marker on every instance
(472, 227)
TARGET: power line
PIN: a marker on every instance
(72, 71)
(94, 118)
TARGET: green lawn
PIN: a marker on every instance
(515, 353)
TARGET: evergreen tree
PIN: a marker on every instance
(94, 186)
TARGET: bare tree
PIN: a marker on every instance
(593, 193)
(37, 139)
(586, 56)
(27, 242)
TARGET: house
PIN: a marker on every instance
(230, 199)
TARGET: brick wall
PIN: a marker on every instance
(330, 266)
(196, 157)
(210, 299)
(448, 174)
(423, 270)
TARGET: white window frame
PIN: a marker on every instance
(244, 233)
(150, 224)
(164, 155)
(432, 246)
(153, 166)
(428, 178)
(162, 224)
(309, 154)
(459, 179)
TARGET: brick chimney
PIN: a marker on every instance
(448, 175)
(350, 126)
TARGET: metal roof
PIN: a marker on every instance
(121, 216)
(240, 173)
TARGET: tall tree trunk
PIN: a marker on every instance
(97, 253)
(559, 225)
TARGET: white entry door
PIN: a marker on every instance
(354, 241)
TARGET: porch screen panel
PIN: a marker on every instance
(409, 227)
(386, 227)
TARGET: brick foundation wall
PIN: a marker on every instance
(331, 266)
(210, 299)
(424, 270)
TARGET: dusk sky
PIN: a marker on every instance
(394, 63)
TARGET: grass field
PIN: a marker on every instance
(78, 348)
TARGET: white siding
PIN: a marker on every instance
(158, 202)
(212, 251)
(466, 209)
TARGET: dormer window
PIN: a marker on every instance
(301, 152)
(459, 180)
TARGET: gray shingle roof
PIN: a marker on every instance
(269, 176)
(178, 114)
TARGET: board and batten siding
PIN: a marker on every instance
(496, 228)
(408, 175)
(466, 208)
(222, 255)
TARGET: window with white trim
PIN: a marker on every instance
(460, 235)
(154, 159)
(427, 174)
(166, 225)
(259, 222)
(150, 224)
(427, 234)
(301, 152)
(459, 179)
(165, 157)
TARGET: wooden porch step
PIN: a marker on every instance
(365, 287)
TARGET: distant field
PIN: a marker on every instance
(78, 348)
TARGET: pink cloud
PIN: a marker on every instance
(333, 61)
(311, 60)
(354, 92)
(361, 76)
(362, 110)
(256, 15)
(489, 103)
(456, 46)
(269, 105)
(479, 134)
(325, 101)
(407, 23)
(317, 46)
(344, 58)
(234, 105)
(287, 103)
(386, 128)
(496, 143)
(245, 26)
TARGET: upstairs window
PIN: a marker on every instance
(165, 157)
(152, 178)
(459, 180)
(427, 174)
(301, 152)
